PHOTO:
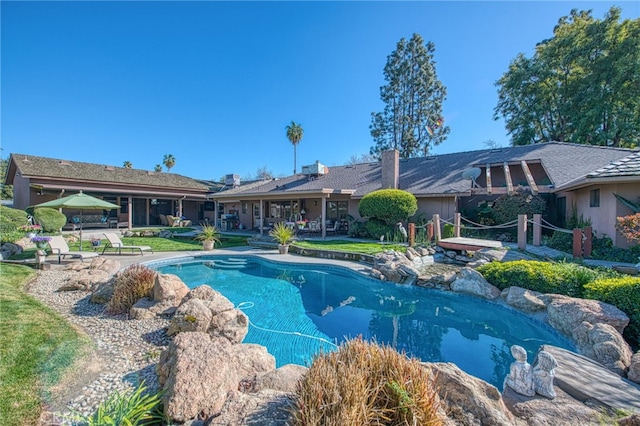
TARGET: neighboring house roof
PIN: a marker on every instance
(30, 166)
(441, 174)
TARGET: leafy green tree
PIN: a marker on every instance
(6, 191)
(169, 161)
(157, 168)
(294, 134)
(581, 86)
(412, 118)
(127, 165)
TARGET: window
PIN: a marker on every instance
(594, 198)
(245, 207)
(337, 210)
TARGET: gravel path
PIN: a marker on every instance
(125, 351)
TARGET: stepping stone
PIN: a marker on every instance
(588, 381)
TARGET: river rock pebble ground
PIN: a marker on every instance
(125, 351)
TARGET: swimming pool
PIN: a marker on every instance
(296, 310)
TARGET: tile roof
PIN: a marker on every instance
(441, 174)
(627, 166)
(32, 166)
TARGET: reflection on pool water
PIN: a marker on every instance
(297, 310)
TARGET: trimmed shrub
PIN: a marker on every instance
(10, 219)
(50, 219)
(365, 384)
(545, 277)
(388, 205)
(131, 285)
(623, 292)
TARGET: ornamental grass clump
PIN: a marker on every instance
(363, 383)
(130, 285)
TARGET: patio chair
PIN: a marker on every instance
(335, 228)
(60, 247)
(314, 227)
(163, 220)
(116, 243)
(173, 221)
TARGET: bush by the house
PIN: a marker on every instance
(375, 228)
(545, 277)
(388, 205)
(623, 292)
(130, 285)
(10, 220)
(365, 384)
(50, 219)
(507, 207)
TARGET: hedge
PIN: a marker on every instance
(622, 292)
(51, 220)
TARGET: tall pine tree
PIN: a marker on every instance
(412, 118)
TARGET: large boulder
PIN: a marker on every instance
(196, 376)
(146, 308)
(567, 313)
(103, 293)
(9, 249)
(86, 280)
(169, 288)
(232, 325)
(467, 399)
(521, 298)
(472, 282)
(266, 407)
(282, 379)
(192, 315)
(603, 343)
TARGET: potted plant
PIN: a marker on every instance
(95, 241)
(283, 234)
(209, 237)
(41, 241)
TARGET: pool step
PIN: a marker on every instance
(229, 263)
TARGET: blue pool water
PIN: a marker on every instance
(298, 310)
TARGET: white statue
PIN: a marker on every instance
(543, 374)
(520, 377)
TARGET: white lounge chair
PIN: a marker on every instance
(60, 247)
(116, 243)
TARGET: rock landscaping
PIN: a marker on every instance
(188, 343)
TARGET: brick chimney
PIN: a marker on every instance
(390, 169)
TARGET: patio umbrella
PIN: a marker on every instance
(79, 201)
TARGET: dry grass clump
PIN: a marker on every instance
(130, 285)
(366, 384)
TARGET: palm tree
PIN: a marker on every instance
(127, 165)
(157, 168)
(169, 161)
(294, 134)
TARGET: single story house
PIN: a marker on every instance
(142, 195)
(566, 175)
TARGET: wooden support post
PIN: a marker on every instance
(507, 177)
(436, 227)
(537, 229)
(412, 234)
(456, 224)
(588, 242)
(577, 243)
(522, 231)
(488, 178)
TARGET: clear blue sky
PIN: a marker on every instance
(215, 83)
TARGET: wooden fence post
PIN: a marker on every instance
(456, 224)
(436, 227)
(522, 231)
(577, 243)
(537, 230)
(588, 242)
(412, 234)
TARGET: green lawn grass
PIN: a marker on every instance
(351, 246)
(36, 346)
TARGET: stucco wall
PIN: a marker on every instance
(603, 218)
(21, 189)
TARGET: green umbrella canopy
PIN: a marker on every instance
(79, 201)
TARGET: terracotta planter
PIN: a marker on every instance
(207, 245)
(283, 248)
